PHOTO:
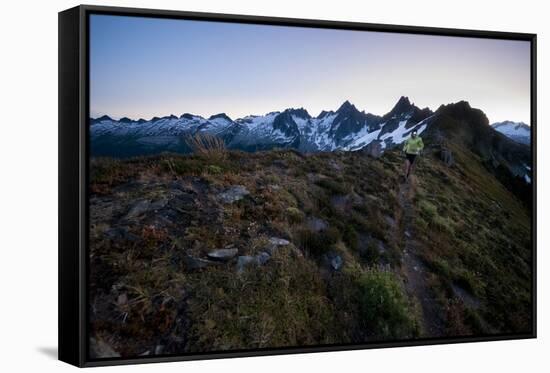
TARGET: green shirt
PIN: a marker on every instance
(413, 146)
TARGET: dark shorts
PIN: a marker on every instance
(411, 157)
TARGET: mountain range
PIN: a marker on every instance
(346, 129)
(517, 131)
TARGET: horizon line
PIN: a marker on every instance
(299, 108)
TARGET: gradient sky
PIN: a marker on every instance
(145, 67)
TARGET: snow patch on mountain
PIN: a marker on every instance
(517, 131)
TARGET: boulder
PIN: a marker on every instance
(138, 209)
(262, 258)
(447, 157)
(316, 224)
(336, 262)
(233, 194)
(223, 255)
(193, 263)
(244, 261)
(374, 149)
(274, 243)
(279, 241)
(333, 261)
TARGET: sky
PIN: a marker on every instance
(145, 67)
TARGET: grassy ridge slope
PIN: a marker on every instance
(154, 219)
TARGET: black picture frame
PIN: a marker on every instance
(73, 177)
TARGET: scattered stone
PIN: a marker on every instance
(279, 241)
(223, 254)
(196, 263)
(244, 261)
(275, 243)
(233, 194)
(340, 203)
(335, 165)
(316, 224)
(333, 261)
(138, 209)
(158, 204)
(262, 258)
(100, 349)
(447, 157)
(374, 149)
(336, 262)
(159, 349)
(120, 233)
(391, 221)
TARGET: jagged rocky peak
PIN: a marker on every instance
(220, 116)
(463, 111)
(346, 107)
(300, 113)
(324, 113)
(402, 106)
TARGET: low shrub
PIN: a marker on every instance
(383, 306)
(294, 215)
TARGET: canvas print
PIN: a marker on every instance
(261, 186)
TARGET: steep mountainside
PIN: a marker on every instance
(517, 131)
(270, 249)
(226, 249)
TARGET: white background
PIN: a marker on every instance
(28, 184)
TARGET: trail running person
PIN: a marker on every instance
(412, 148)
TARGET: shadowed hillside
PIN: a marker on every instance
(237, 250)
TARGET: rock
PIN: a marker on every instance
(233, 194)
(333, 261)
(244, 261)
(335, 165)
(274, 243)
(196, 263)
(336, 262)
(100, 349)
(222, 254)
(262, 258)
(390, 221)
(374, 149)
(120, 233)
(138, 209)
(159, 349)
(158, 204)
(279, 241)
(316, 224)
(122, 299)
(447, 157)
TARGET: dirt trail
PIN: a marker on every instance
(414, 271)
